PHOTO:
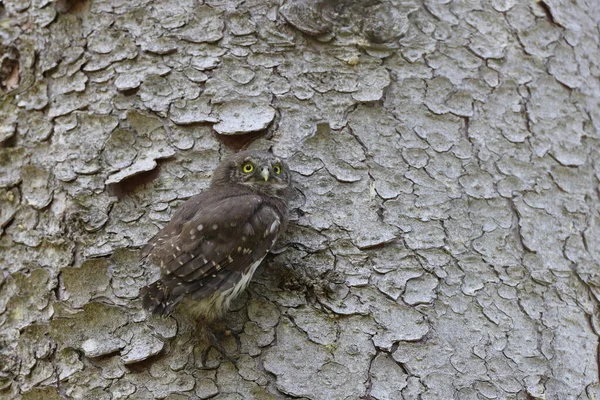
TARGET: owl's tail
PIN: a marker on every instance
(157, 299)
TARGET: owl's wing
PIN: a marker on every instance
(210, 248)
(184, 213)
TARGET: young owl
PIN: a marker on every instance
(212, 246)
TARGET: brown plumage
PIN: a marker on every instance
(215, 241)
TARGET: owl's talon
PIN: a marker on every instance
(217, 345)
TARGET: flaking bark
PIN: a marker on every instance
(445, 240)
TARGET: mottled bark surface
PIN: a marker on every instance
(446, 233)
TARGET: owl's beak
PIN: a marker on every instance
(265, 173)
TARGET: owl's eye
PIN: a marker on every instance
(248, 167)
(277, 169)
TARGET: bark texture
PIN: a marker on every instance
(446, 234)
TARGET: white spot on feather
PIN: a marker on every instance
(274, 226)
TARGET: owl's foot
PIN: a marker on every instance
(216, 336)
(216, 343)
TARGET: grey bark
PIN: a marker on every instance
(446, 233)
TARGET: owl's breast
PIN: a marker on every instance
(230, 294)
(214, 306)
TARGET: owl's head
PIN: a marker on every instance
(261, 171)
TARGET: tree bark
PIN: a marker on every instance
(445, 236)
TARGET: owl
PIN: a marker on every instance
(212, 246)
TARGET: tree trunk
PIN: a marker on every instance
(445, 235)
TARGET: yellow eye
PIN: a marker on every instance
(277, 169)
(248, 167)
